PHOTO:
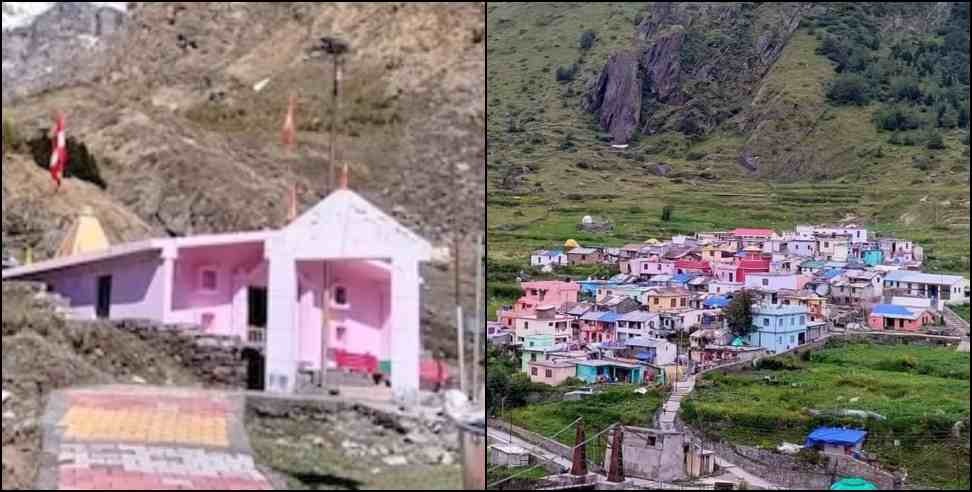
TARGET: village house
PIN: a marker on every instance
(900, 318)
(806, 248)
(659, 300)
(775, 281)
(715, 347)
(718, 287)
(650, 350)
(872, 257)
(753, 237)
(553, 293)
(552, 372)
(542, 321)
(545, 258)
(682, 320)
(598, 326)
(834, 248)
(538, 348)
(585, 256)
(497, 335)
(636, 324)
(817, 306)
(609, 371)
(941, 289)
(778, 327)
(853, 233)
(343, 278)
(812, 267)
(718, 252)
(646, 268)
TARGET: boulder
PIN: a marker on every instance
(616, 96)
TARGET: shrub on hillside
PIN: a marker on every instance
(567, 74)
(11, 137)
(587, 40)
(848, 89)
(934, 140)
(898, 117)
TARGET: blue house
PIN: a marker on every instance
(609, 371)
(779, 327)
(834, 440)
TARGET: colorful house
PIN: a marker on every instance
(778, 327)
(609, 371)
(550, 293)
(540, 351)
(900, 318)
(598, 326)
(543, 321)
(753, 237)
(806, 248)
(649, 267)
(667, 299)
(552, 372)
(941, 289)
(872, 257)
(585, 256)
(544, 258)
(775, 281)
(341, 279)
(636, 324)
(657, 351)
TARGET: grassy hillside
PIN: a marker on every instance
(548, 165)
(922, 391)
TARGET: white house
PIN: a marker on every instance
(544, 258)
(941, 289)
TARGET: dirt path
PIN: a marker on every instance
(145, 438)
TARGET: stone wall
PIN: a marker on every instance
(215, 360)
(534, 438)
(792, 474)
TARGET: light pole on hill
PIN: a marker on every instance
(335, 48)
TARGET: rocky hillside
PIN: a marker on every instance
(180, 106)
(730, 113)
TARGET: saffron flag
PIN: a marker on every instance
(59, 153)
(289, 129)
(290, 140)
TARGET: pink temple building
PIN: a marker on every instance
(341, 280)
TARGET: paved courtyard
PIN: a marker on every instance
(142, 438)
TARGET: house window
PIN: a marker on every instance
(341, 296)
(533, 371)
(208, 279)
(674, 304)
(549, 373)
(765, 282)
(650, 441)
(342, 333)
(526, 325)
(766, 322)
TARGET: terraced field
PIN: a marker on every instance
(921, 391)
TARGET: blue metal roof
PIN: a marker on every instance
(683, 278)
(609, 317)
(891, 309)
(834, 435)
(829, 274)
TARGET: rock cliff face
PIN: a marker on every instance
(616, 97)
(686, 53)
(63, 45)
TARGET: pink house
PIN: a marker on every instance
(546, 293)
(899, 318)
(340, 281)
(647, 267)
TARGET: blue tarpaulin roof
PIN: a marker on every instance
(717, 302)
(645, 356)
(683, 278)
(837, 436)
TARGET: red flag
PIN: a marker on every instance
(59, 153)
